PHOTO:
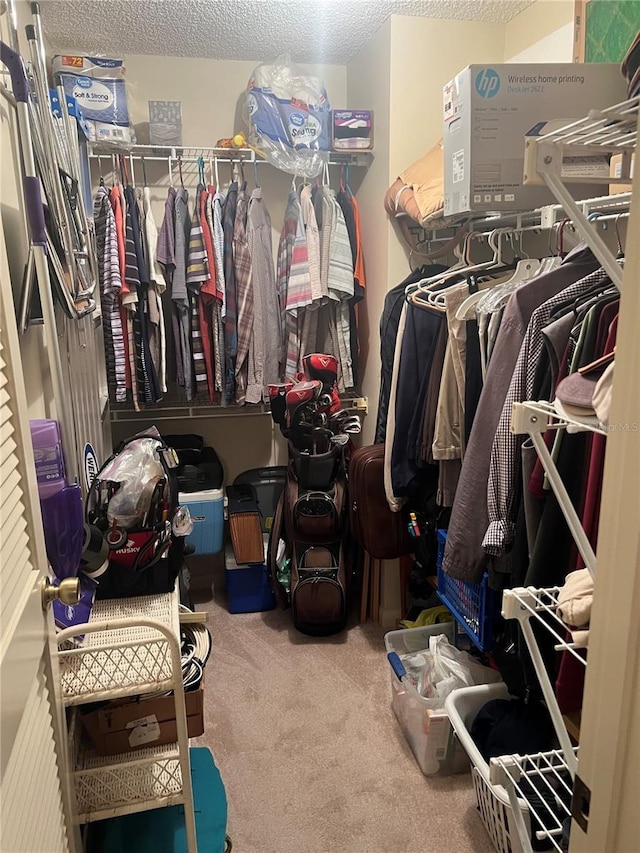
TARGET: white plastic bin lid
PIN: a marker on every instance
(204, 495)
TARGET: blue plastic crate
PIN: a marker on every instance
(474, 605)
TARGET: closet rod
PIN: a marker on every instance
(542, 217)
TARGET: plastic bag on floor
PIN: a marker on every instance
(442, 668)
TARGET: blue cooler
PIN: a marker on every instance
(248, 586)
(207, 514)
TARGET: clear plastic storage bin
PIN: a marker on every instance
(428, 733)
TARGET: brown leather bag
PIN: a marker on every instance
(382, 533)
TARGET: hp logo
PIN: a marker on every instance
(487, 83)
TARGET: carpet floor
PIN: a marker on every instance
(310, 752)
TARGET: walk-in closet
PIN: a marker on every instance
(319, 418)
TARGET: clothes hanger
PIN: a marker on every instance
(215, 166)
(133, 176)
(256, 179)
(620, 253)
(202, 178)
(170, 165)
(346, 179)
(422, 295)
(144, 171)
(440, 277)
(466, 310)
(180, 172)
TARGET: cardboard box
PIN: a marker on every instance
(134, 724)
(616, 171)
(488, 110)
(352, 130)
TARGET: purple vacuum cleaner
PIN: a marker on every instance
(60, 496)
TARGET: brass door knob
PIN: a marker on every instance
(67, 591)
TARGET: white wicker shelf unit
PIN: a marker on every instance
(131, 647)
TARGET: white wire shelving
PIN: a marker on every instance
(600, 134)
(533, 419)
(554, 159)
(189, 155)
(545, 783)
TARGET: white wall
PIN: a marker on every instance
(543, 32)
(369, 87)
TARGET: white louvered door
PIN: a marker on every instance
(35, 810)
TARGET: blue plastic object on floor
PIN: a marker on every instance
(162, 830)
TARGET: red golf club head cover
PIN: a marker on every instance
(301, 395)
(323, 367)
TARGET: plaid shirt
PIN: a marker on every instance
(266, 323)
(244, 296)
(503, 488)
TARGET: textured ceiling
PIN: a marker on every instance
(328, 31)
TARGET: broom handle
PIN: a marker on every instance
(37, 235)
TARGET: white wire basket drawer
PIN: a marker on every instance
(124, 659)
(121, 784)
(543, 781)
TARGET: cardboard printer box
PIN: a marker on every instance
(488, 110)
(137, 723)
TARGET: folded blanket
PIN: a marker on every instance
(574, 605)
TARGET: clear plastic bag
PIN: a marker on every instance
(290, 117)
(137, 469)
(442, 668)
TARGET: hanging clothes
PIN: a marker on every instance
(309, 335)
(327, 336)
(266, 370)
(285, 256)
(157, 287)
(166, 257)
(230, 317)
(197, 274)
(341, 289)
(244, 297)
(138, 279)
(464, 556)
(117, 206)
(110, 289)
(389, 321)
(351, 212)
(207, 301)
(179, 295)
(215, 202)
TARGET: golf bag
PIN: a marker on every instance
(309, 555)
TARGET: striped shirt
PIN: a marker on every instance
(244, 296)
(110, 287)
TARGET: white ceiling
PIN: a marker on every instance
(327, 31)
